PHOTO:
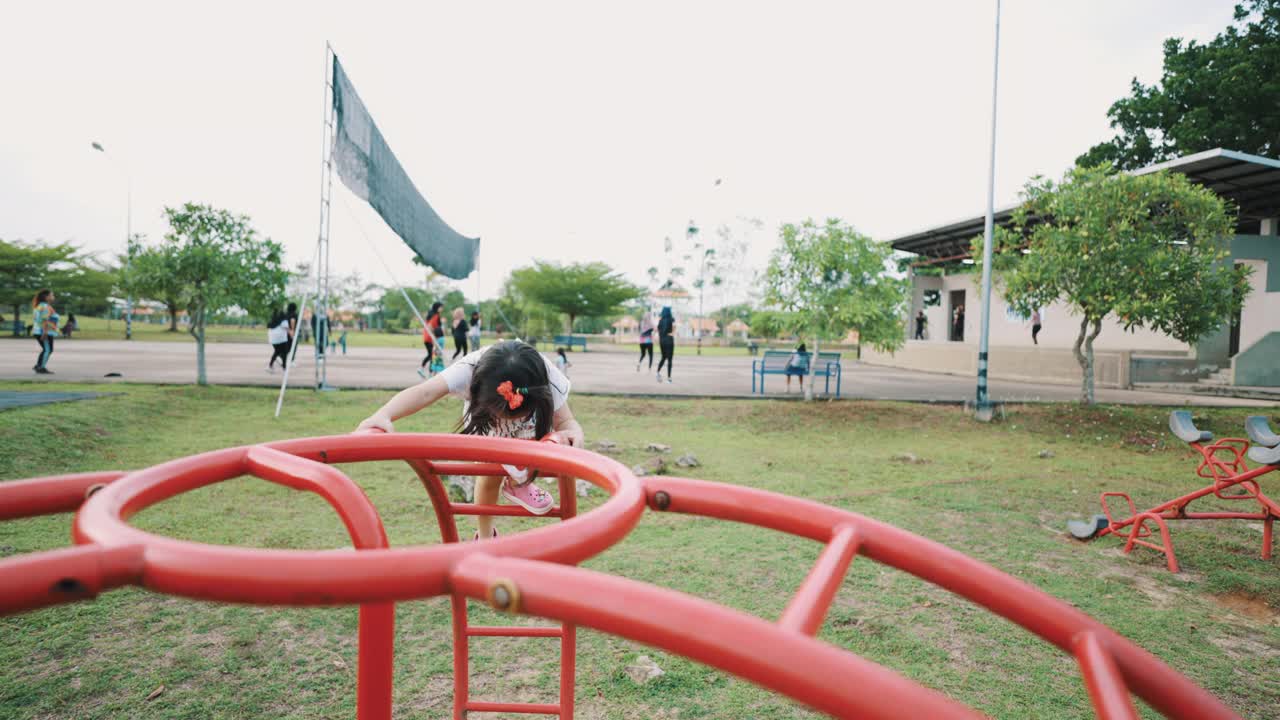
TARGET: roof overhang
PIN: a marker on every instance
(1250, 182)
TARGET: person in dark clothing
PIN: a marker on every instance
(921, 322)
(646, 340)
(957, 331)
(278, 337)
(666, 343)
(1035, 327)
(460, 328)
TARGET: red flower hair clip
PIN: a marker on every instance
(513, 395)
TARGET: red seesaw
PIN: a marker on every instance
(1223, 463)
(532, 573)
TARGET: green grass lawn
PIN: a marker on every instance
(979, 488)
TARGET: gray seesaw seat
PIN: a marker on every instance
(1181, 425)
(1266, 443)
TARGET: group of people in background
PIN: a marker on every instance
(665, 327)
(466, 337)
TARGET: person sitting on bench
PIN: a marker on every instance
(798, 365)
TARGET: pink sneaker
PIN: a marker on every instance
(528, 496)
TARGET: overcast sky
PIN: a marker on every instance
(561, 131)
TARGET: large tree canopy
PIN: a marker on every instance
(827, 279)
(1148, 250)
(218, 262)
(81, 283)
(579, 289)
(1222, 94)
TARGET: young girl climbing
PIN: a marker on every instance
(508, 390)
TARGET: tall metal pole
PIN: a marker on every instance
(983, 409)
(321, 312)
(128, 238)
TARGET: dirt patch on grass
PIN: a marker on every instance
(1250, 606)
(1245, 648)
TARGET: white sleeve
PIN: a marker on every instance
(559, 385)
(458, 375)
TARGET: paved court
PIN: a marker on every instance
(593, 372)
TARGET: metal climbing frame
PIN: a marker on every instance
(531, 573)
(1224, 464)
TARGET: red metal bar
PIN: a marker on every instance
(38, 580)
(1102, 678)
(1046, 616)
(1266, 538)
(1166, 545)
(809, 605)
(528, 708)
(513, 631)
(498, 510)
(439, 499)
(1220, 516)
(568, 668)
(49, 495)
(376, 634)
(457, 468)
(461, 656)
(801, 667)
(297, 577)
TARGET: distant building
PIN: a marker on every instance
(691, 328)
(737, 329)
(1246, 352)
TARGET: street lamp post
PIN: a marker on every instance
(128, 237)
(983, 409)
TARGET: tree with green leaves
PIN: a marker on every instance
(1149, 250)
(827, 279)
(150, 273)
(1221, 94)
(81, 283)
(578, 289)
(219, 262)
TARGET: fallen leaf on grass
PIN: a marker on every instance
(155, 693)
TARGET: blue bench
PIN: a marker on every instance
(568, 341)
(774, 362)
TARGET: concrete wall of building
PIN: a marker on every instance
(1054, 366)
(1059, 325)
(1259, 365)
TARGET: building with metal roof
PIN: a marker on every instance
(1245, 353)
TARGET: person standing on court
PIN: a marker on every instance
(474, 333)
(1035, 326)
(44, 326)
(460, 330)
(666, 343)
(646, 339)
(921, 322)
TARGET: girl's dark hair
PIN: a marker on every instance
(277, 317)
(524, 367)
(435, 308)
(293, 309)
(41, 296)
(801, 348)
(475, 314)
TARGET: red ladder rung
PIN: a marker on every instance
(500, 510)
(530, 708)
(467, 468)
(808, 607)
(1102, 677)
(513, 631)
